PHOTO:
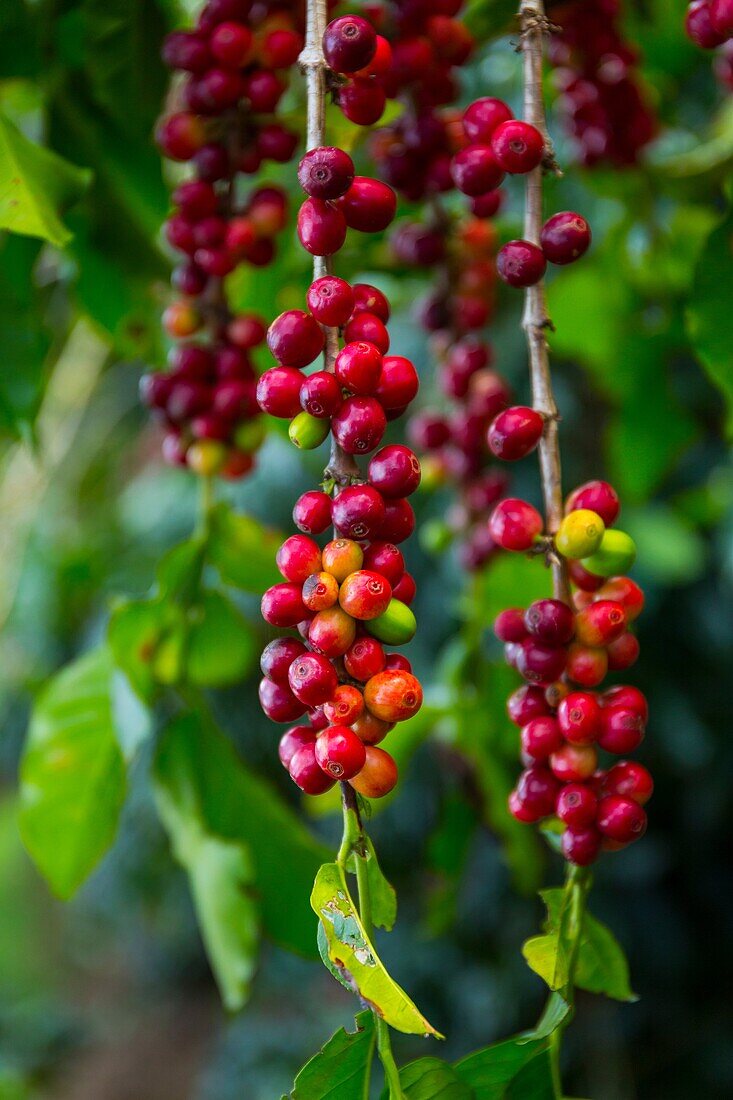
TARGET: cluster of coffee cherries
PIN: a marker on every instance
(564, 653)
(347, 600)
(234, 67)
(709, 23)
(601, 97)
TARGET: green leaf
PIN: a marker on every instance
(490, 18)
(178, 575)
(600, 967)
(220, 870)
(221, 647)
(134, 632)
(36, 186)
(384, 898)
(351, 951)
(433, 1079)
(243, 550)
(24, 336)
(492, 1072)
(513, 580)
(709, 317)
(72, 775)
(239, 806)
(341, 1069)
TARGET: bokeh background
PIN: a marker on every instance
(109, 996)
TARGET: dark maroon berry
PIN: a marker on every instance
(326, 172)
(358, 512)
(540, 663)
(359, 425)
(521, 263)
(517, 146)
(320, 395)
(349, 44)
(295, 338)
(279, 703)
(278, 656)
(620, 818)
(475, 170)
(551, 621)
(565, 237)
(581, 846)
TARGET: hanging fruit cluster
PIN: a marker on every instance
(234, 66)
(350, 598)
(601, 97)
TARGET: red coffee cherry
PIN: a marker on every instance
(577, 805)
(541, 737)
(358, 511)
(620, 818)
(393, 695)
(509, 625)
(517, 146)
(369, 327)
(326, 172)
(515, 432)
(475, 170)
(630, 779)
(340, 753)
(369, 205)
(579, 715)
(537, 791)
(345, 706)
(699, 26)
(623, 652)
(312, 679)
(721, 17)
(294, 739)
(362, 101)
(622, 695)
(526, 703)
(279, 703)
(565, 237)
(365, 595)
(321, 227)
(312, 512)
(581, 846)
(378, 776)
(600, 623)
(598, 497)
(349, 44)
(514, 524)
(585, 665)
(394, 471)
(320, 395)
(359, 425)
(295, 338)
(298, 557)
(574, 763)
(398, 523)
(521, 263)
(282, 605)
(387, 559)
(331, 301)
(540, 663)
(358, 367)
(277, 658)
(621, 729)
(369, 299)
(398, 383)
(306, 772)
(551, 621)
(625, 592)
(481, 119)
(364, 659)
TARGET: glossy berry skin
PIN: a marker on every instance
(509, 625)
(514, 524)
(282, 605)
(395, 626)
(623, 652)
(625, 592)
(359, 425)
(340, 753)
(279, 703)
(278, 656)
(597, 496)
(621, 730)
(331, 632)
(540, 663)
(577, 806)
(365, 595)
(398, 383)
(526, 703)
(312, 512)
(521, 263)
(307, 774)
(537, 791)
(393, 695)
(298, 557)
(341, 557)
(386, 559)
(345, 705)
(565, 237)
(581, 846)
(369, 327)
(312, 679)
(630, 779)
(369, 205)
(699, 26)
(550, 621)
(600, 623)
(362, 101)
(321, 227)
(349, 44)
(580, 533)
(517, 146)
(721, 17)
(579, 715)
(293, 740)
(515, 432)
(395, 471)
(585, 665)
(574, 763)
(358, 367)
(620, 818)
(369, 299)
(364, 659)
(320, 395)
(331, 300)
(378, 776)
(358, 512)
(481, 119)
(624, 695)
(541, 737)
(295, 338)
(326, 172)
(398, 523)
(320, 591)
(475, 170)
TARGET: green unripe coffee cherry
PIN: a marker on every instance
(307, 432)
(580, 534)
(616, 554)
(250, 435)
(395, 626)
(206, 456)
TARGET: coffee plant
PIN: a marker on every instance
(377, 336)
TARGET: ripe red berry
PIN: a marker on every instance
(620, 818)
(521, 263)
(623, 652)
(321, 227)
(364, 659)
(541, 737)
(378, 776)
(369, 327)
(295, 338)
(278, 391)
(398, 383)
(369, 205)
(699, 26)
(475, 170)
(509, 625)
(340, 753)
(579, 715)
(514, 524)
(585, 665)
(368, 299)
(721, 17)
(515, 432)
(600, 623)
(621, 729)
(326, 172)
(574, 763)
(630, 779)
(320, 395)
(359, 425)
(517, 146)
(358, 511)
(581, 846)
(362, 101)
(577, 805)
(540, 663)
(331, 301)
(481, 119)
(526, 703)
(306, 772)
(349, 44)
(345, 705)
(565, 237)
(394, 471)
(549, 620)
(312, 512)
(279, 703)
(293, 740)
(332, 632)
(624, 591)
(537, 791)
(622, 695)
(278, 656)
(365, 594)
(298, 557)
(312, 679)
(358, 367)
(385, 558)
(598, 497)
(398, 523)
(282, 605)
(405, 590)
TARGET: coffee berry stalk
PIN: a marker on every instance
(232, 70)
(345, 598)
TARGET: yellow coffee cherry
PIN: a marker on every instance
(580, 534)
